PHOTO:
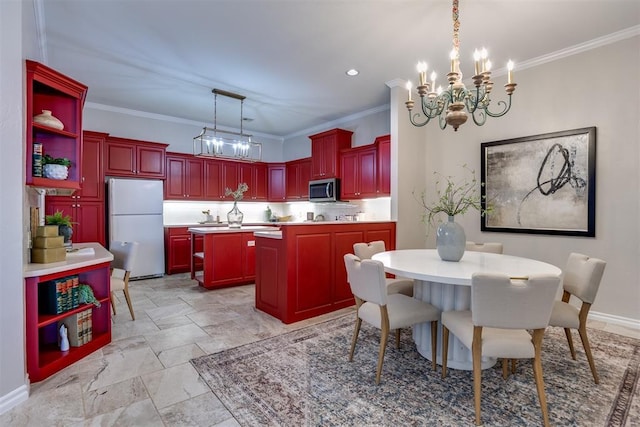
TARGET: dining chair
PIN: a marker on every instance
(398, 285)
(581, 279)
(502, 312)
(490, 247)
(124, 255)
(382, 310)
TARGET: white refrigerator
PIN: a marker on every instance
(135, 215)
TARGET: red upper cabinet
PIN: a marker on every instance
(255, 176)
(132, 158)
(49, 90)
(359, 173)
(325, 151)
(384, 165)
(92, 182)
(298, 176)
(277, 179)
(185, 177)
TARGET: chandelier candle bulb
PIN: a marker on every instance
(453, 55)
(476, 59)
(409, 89)
(509, 72)
(433, 80)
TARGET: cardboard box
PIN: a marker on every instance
(47, 231)
(48, 242)
(44, 256)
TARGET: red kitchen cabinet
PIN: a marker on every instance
(384, 165)
(298, 177)
(132, 158)
(47, 89)
(88, 217)
(277, 179)
(256, 177)
(325, 151)
(229, 259)
(178, 250)
(359, 173)
(92, 183)
(219, 175)
(185, 177)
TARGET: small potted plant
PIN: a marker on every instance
(64, 224)
(55, 168)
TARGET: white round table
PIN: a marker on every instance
(447, 286)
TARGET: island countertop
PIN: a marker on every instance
(83, 255)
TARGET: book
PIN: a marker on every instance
(37, 159)
(78, 328)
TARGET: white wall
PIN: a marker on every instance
(595, 88)
(13, 388)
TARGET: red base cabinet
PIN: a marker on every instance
(302, 275)
(227, 258)
(177, 247)
(44, 358)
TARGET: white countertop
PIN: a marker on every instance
(87, 254)
(243, 229)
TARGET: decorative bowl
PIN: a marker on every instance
(48, 120)
(52, 171)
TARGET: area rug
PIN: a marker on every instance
(303, 378)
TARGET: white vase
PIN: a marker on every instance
(48, 120)
(450, 240)
(52, 171)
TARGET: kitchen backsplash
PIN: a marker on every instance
(181, 212)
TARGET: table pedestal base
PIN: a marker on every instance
(445, 297)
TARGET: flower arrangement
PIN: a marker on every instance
(239, 193)
(456, 198)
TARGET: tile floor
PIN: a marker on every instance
(144, 378)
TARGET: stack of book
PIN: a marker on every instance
(79, 328)
(59, 295)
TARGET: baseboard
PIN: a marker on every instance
(615, 320)
(14, 398)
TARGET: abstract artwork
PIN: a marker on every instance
(541, 184)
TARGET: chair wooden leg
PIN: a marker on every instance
(384, 337)
(587, 349)
(477, 370)
(434, 344)
(445, 349)
(355, 337)
(398, 337)
(128, 299)
(538, 334)
(513, 365)
(113, 305)
(567, 332)
(505, 368)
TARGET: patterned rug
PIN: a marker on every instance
(303, 378)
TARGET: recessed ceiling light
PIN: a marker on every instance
(352, 72)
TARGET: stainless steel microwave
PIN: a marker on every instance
(324, 190)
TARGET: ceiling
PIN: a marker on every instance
(289, 57)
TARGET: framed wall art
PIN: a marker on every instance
(541, 184)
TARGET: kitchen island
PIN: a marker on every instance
(227, 256)
(300, 270)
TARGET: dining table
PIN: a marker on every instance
(447, 286)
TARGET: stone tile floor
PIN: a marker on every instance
(144, 378)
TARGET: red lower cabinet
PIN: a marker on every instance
(302, 275)
(177, 247)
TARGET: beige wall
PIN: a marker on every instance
(595, 88)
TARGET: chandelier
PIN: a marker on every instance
(214, 142)
(449, 105)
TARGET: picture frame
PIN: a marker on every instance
(540, 184)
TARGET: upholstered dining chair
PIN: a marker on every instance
(581, 279)
(398, 285)
(382, 310)
(124, 255)
(491, 247)
(502, 311)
